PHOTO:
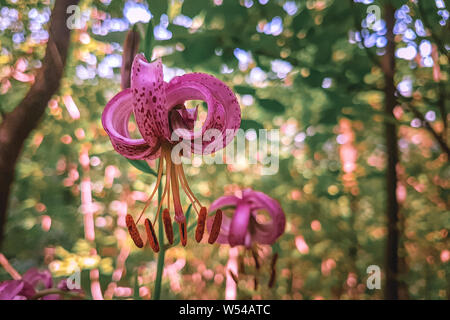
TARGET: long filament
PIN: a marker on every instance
(182, 175)
(168, 174)
(168, 195)
(189, 195)
(175, 191)
(186, 187)
(158, 181)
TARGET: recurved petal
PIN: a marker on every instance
(266, 233)
(10, 288)
(239, 224)
(183, 118)
(224, 202)
(33, 276)
(115, 120)
(224, 112)
(149, 97)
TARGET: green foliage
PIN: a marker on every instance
(142, 166)
(271, 105)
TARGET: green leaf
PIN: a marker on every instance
(116, 36)
(142, 166)
(276, 248)
(191, 8)
(302, 21)
(149, 41)
(157, 8)
(199, 49)
(272, 105)
(188, 213)
(136, 295)
(244, 90)
(251, 124)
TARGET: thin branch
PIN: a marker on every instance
(51, 291)
(442, 108)
(440, 140)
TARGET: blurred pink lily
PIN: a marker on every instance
(162, 119)
(243, 227)
(30, 286)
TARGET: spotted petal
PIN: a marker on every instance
(239, 224)
(149, 99)
(115, 120)
(266, 233)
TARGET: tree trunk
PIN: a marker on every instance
(392, 207)
(18, 124)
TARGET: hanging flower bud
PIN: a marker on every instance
(130, 48)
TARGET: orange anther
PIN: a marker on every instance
(152, 239)
(215, 229)
(134, 232)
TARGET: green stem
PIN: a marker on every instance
(160, 264)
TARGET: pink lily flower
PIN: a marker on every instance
(162, 118)
(243, 227)
(30, 284)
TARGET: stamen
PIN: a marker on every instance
(168, 196)
(152, 239)
(186, 184)
(200, 225)
(158, 181)
(168, 225)
(187, 191)
(133, 231)
(274, 270)
(233, 276)
(183, 233)
(274, 261)
(215, 229)
(255, 257)
(241, 265)
(166, 188)
(273, 275)
(179, 215)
